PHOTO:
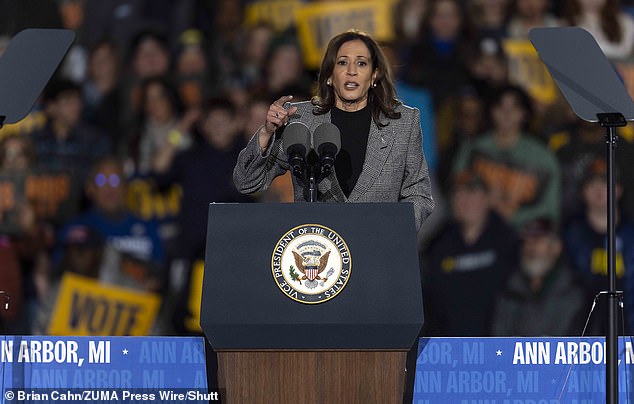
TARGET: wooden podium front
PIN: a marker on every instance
(345, 344)
(306, 377)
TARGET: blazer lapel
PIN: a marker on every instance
(379, 144)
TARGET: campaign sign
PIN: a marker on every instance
(103, 369)
(84, 306)
(527, 70)
(318, 22)
(518, 370)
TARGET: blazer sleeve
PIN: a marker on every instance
(255, 171)
(416, 185)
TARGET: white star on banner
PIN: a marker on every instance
(498, 352)
(125, 351)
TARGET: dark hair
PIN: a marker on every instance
(154, 35)
(381, 99)
(220, 104)
(520, 95)
(58, 86)
(169, 91)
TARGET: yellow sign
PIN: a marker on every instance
(86, 307)
(317, 23)
(280, 14)
(192, 322)
(149, 203)
(33, 121)
(527, 70)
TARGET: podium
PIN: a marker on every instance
(311, 303)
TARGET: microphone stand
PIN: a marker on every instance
(312, 184)
(311, 173)
(310, 177)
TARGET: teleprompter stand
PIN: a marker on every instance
(595, 93)
(275, 348)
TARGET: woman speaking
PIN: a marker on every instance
(381, 157)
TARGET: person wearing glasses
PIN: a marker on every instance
(133, 255)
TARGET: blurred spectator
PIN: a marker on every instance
(66, 143)
(161, 124)
(134, 254)
(488, 67)
(530, 14)
(148, 57)
(192, 77)
(122, 20)
(584, 143)
(75, 63)
(284, 71)
(257, 109)
(459, 122)
(476, 248)
(204, 173)
(17, 154)
(83, 252)
(522, 174)
(409, 16)
(417, 97)
(226, 40)
(543, 297)
(577, 145)
(586, 241)
(490, 17)
(82, 255)
(254, 56)
(23, 241)
(611, 28)
(436, 61)
(102, 92)
(215, 154)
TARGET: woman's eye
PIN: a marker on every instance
(341, 62)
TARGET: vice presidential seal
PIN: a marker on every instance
(311, 264)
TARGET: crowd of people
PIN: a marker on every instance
(148, 112)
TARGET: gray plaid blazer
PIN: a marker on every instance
(395, 169)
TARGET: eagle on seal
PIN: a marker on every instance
(308, 269)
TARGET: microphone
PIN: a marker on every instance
(296, 143)
(327, 142)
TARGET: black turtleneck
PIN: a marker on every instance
(355, 128)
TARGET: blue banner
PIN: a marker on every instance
(518, 370)
(39, 369)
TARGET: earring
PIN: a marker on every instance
(373, 85)
(329, 82)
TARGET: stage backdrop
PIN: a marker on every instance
(518, 370)
(103, 369)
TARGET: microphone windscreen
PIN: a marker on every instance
(296, 134)
(327, 133)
